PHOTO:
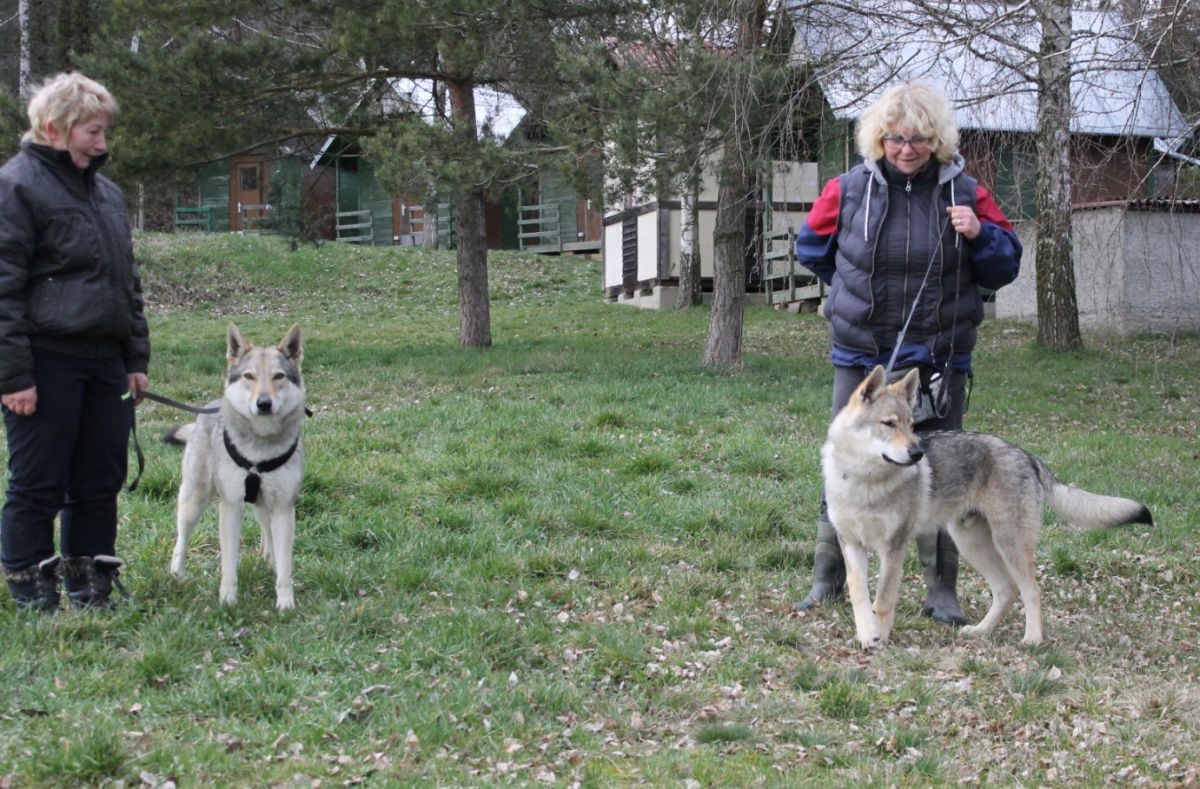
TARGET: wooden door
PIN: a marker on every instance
(247, 192)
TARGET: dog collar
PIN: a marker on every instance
(255, 470)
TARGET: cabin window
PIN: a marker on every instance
(248, 178)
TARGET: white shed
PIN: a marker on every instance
(1137, 268)
(642, 242)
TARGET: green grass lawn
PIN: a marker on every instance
(568, 559)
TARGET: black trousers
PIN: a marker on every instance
(68, 459)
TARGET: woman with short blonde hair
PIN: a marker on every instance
(74, 350)
(64, 102)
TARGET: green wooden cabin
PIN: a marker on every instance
(254, 193)
(555, 218)
(336, 194)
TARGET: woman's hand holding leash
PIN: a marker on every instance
(138, 383)
(964, 221)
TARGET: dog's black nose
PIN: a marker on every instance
(263, 404)
(915, 454)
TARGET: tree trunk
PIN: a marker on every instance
(1058, 311)
(474, 315)
(24, 69)
(724, 348)
(689, 249)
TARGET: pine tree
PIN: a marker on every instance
(211, 80)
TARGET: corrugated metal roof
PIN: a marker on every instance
(857, 53)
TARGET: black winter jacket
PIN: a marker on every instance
(68, 281)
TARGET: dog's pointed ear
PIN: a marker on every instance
(872, 385)
(236, 343)
(292, 345)
(909, 386)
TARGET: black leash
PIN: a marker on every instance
(940, 409)
(137, 445)
(176, 404)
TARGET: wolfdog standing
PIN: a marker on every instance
(250, 451)
(884, 484)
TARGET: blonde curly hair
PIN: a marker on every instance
(64, 101)
(913, 108)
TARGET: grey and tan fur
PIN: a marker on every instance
(261, 415)
(884, 485)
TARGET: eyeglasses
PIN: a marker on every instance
(896, 142)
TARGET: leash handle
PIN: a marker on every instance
(137, 446)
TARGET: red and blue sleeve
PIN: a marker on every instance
(996, 251)
(816, 243)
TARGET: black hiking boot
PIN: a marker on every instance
(90, 581)
(35, 587)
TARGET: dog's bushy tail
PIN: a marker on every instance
(1094, 510)
(179, 435)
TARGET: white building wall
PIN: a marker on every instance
(611, 255)
(1136, 272)
(647, 246)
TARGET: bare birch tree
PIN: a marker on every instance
(1058, 311)
(24, 67)
(690, 290)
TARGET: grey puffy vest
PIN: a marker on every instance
(887, 238)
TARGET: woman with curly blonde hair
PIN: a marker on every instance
(906, 238)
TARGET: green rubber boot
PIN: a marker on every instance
(939, 565)
(829, 569)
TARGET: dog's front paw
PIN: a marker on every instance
(871, 639)
(228, 596)
(974, 631)
(285, 602)
(871, 643)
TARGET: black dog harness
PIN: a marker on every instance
(255, 470)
